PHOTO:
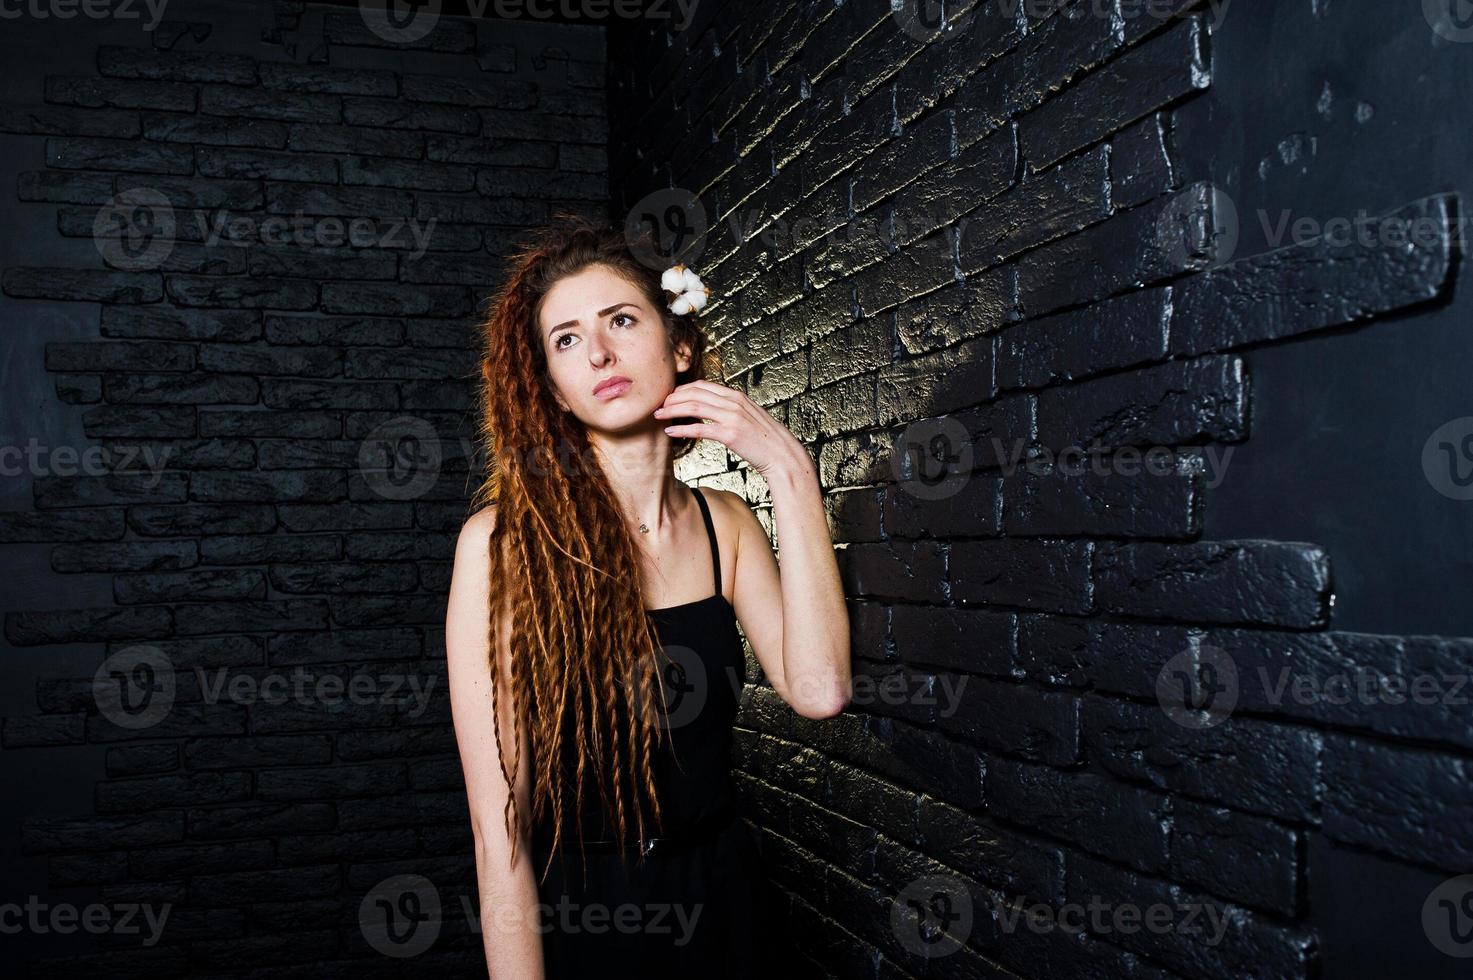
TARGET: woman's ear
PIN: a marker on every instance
(682, 357)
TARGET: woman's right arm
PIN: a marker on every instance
(508, 895)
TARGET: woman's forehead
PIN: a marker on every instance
(586, 292)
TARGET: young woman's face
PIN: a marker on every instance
(595, 326)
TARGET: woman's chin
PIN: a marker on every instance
(624, 421)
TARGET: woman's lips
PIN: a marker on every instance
(612, 391)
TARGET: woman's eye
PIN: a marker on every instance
(559, 345)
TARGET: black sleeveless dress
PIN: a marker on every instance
(688, 909)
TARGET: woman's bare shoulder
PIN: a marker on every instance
(730, 502)
(473, 550)
(726, 499)
(479, 524)
(740, 518)
(470, 594)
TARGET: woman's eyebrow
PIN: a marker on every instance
(603, 312)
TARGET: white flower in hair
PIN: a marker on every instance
(691, 293)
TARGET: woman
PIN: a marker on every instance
(609, 699)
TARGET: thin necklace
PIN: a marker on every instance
(643, 528)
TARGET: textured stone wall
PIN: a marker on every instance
(1098, 428)
(1126, 339)
(247, 248)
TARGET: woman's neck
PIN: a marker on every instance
(642, 477)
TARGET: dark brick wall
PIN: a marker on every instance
(307, 404)
(985, 251)
(953, 262)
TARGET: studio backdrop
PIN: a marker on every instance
(1128, 341)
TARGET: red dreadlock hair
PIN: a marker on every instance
(564, 567)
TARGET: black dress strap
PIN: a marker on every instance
(710, 533)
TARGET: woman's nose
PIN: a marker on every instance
(599, 352)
